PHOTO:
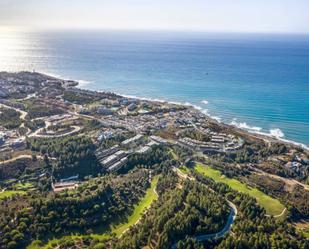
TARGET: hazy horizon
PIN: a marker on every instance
(223, 16)
(20, 29)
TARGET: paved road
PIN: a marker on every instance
(36, 133)
(47, 124)
(225, 229)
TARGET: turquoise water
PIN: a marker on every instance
(258, 82)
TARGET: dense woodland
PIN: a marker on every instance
(80, 99)
(37, 110)
(75, 155)
(190, 210)
(99, 201)
(150, 159)
(184, 209)
(197, 135)
(34, 124)
(252, 229)
(181, 210)
(20, 167)
(9, 118)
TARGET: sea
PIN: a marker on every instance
(258, 82)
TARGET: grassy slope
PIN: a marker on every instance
(271, 205)
(10, 193)
(139, 209)
(23, 186)
(18, 189)
(306, 234)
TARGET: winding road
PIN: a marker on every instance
(23, 114)
(225, 229)
(36, 133)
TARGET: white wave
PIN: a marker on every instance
(83, 83)
(277, 133)
(205, 111)
(218, 119)
(205, 102)
(244, 125)
(192, 105)
(294, 143)
(144, 98)
(188, 104)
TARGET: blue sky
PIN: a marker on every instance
(280, 16)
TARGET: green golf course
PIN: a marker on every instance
(271, 205)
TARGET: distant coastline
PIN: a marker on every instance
(256, 82)
(83, 84)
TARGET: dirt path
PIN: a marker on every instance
(278, 215)
(23, 156)
(291, 182)
(15, 158)
(2, 190)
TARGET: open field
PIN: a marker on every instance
(18, 189)
(271, 205)
(118, 229)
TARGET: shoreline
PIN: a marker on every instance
(240, 126)
(83, 84)
(250, 131)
